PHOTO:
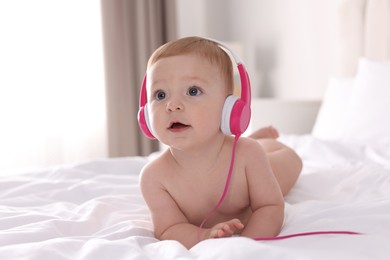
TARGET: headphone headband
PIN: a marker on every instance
(236, 58)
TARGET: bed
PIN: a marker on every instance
(94, 210)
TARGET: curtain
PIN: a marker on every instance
(132, 30)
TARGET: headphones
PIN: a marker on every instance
(236, 112)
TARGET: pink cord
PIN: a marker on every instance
(307, 234)
(212, 212)
(225, 191)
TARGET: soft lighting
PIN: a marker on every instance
(52, 107)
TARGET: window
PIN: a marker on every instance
(52, 102)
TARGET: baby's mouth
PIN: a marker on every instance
(177, 125)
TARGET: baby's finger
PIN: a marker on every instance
(238, 225)
(219, 233)
(214, 233)
(228, 230)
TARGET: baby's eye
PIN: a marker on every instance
(159, 95)
(194, 91)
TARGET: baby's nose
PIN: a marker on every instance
(174, 105)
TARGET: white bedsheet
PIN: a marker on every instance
(95, 211)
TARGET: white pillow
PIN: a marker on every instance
(331, 116)
(367, 118)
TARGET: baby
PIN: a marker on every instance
(187, 83)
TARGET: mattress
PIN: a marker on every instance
(94, 210)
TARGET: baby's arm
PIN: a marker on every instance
(266, 198)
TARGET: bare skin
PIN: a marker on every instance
(277, 151)
(234, 217)
(265, 136)
(229, 228)
(186, 181)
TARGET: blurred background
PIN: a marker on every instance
(70, 70)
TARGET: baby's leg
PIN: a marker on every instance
(285, 162)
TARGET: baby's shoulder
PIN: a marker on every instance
(249, 148)
(155, 168)
(246, 143)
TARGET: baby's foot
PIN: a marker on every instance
(265, 132)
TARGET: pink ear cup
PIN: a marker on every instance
(240, 118)
(143, 122)
(241, 112)
(235, 116)
(236, 113)
(143, 115)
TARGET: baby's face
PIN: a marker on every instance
(186, 94)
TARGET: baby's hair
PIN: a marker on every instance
(199, 46)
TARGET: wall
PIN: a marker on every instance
(286, 44)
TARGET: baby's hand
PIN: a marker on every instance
(226, 229)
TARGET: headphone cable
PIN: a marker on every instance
(225, 191)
